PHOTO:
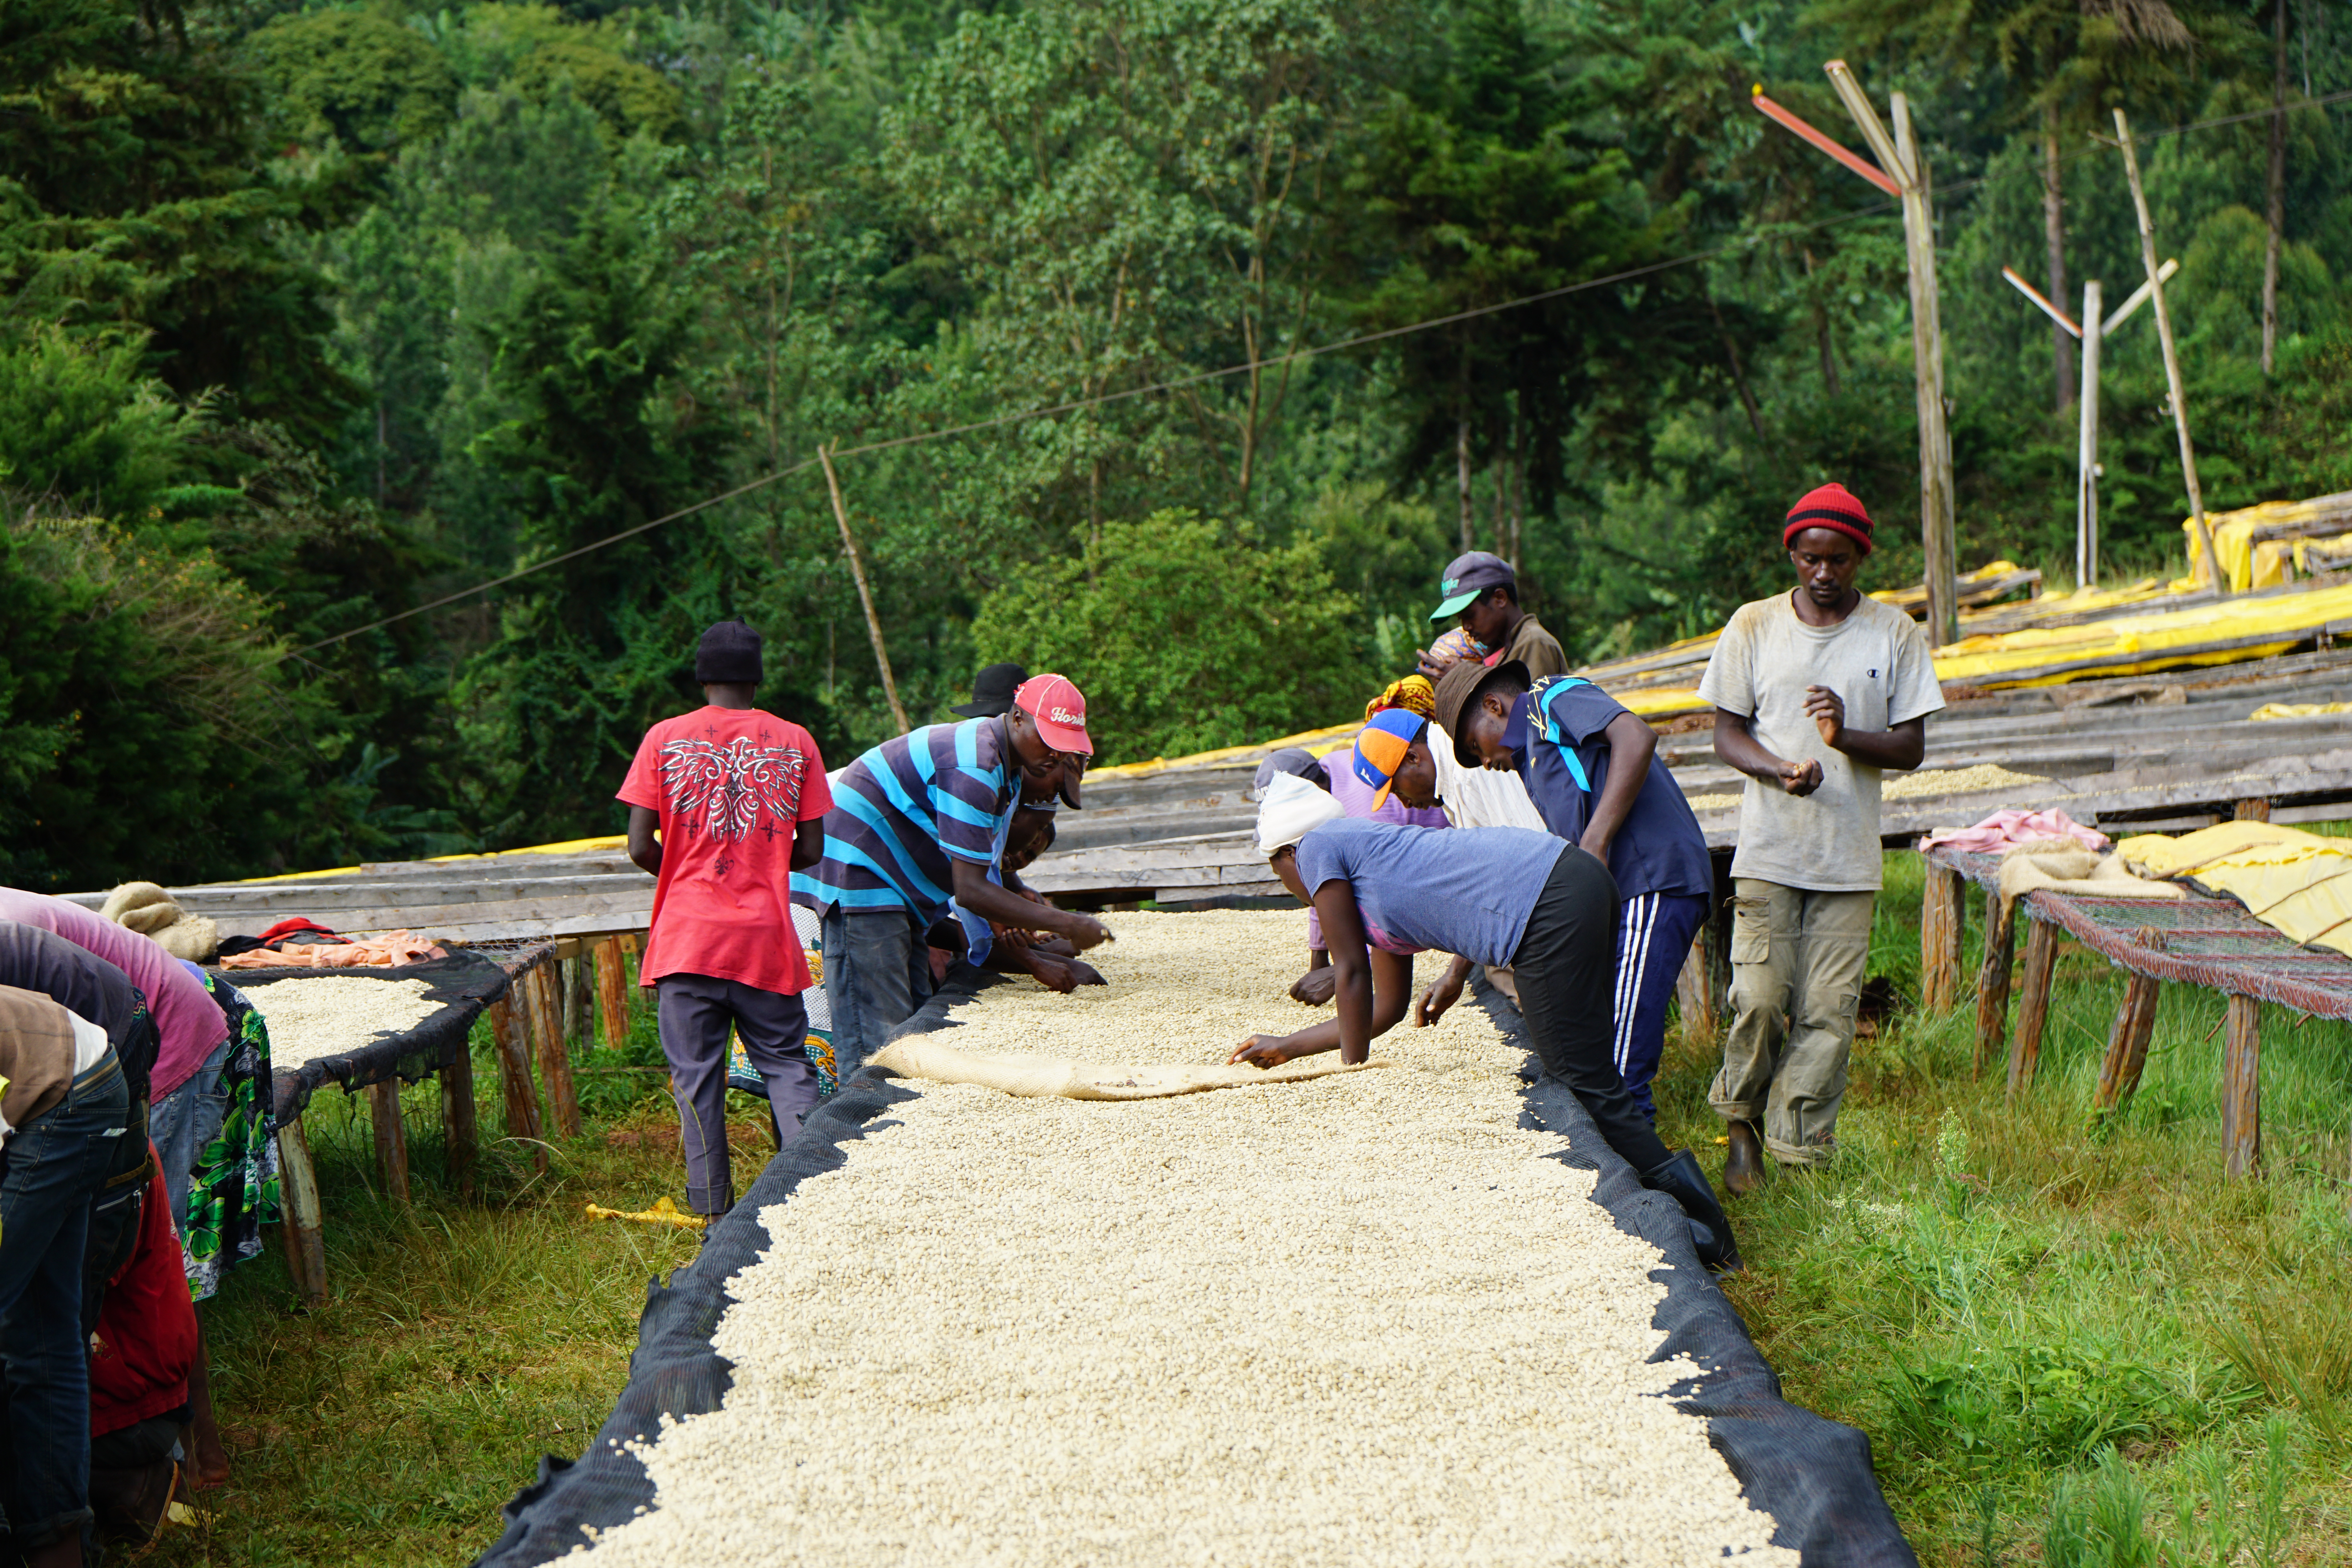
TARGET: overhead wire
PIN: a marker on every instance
(1198, 378)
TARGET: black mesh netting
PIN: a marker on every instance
(1813, 1476)
(463, 984)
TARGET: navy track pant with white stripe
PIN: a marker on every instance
(1654, 932)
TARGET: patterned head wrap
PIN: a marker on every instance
(1414, 694)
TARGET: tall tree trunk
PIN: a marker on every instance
(1518, 491)
(2277, 188)
(1739, 376)
(2054, 234)
(1461, 474)
(1821, 336)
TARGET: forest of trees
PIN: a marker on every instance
(311, 314)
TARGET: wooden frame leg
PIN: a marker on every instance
(2254, 809)
(1695, 995)
(458, 1127)
(2241, 1089)
(514, 1079)
(304, 1231)
(1942, 919)
(2119, 1070)
(2032, 1004)
(1994, 977)
(612, 992)
(579, 1001)
(545, 1009)
(390, 1138)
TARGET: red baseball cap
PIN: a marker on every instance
(1060, 709)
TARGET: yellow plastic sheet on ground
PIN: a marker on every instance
(2298, 884)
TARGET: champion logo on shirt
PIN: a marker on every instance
(1873, 675)
(721, 789)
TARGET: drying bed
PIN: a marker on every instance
(1371, 1318)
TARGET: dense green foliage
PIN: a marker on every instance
(331, 311)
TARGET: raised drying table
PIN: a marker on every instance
(2194, 940)
(465, 983)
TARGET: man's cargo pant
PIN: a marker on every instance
(1797, 963)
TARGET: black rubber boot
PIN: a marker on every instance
(1681, 1179)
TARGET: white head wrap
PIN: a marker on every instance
(1289, 810)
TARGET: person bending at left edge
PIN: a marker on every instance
(1592, 770)
(1491, 895)
(737, 795)
(916, 822)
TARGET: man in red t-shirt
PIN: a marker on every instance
(737, 797)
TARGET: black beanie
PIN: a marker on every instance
(728, 655)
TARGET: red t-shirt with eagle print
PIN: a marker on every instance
(730, 785)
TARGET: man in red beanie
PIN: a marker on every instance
(1816, 692)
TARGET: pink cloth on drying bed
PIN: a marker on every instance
(2004, 829)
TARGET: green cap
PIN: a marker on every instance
(1469, 576)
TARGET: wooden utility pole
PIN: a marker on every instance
(2172, 359)
(865, 594)
(2277, 205)
(1902, 158)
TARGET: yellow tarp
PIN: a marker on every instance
(2129, 645)
(2299, 709)
(2298, 883)
(2249, 564)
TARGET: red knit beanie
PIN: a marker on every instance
(1831, 505)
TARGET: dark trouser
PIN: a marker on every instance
(696, 1012)
(1653, 937)
(114, 1219)
(57, 1165)
(877, 971)
(1566, 967)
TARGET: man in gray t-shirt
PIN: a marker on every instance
(1815, 692)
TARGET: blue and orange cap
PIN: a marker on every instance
(1381, 749)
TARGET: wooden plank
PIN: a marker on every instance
(459, 1121)
(579, 999)
(1994, 977)
(2241, 1089)
(2032, 1004)
(1943, 919)
(304, 1231)
(2255, 810)
(391, 1137)
(545, 1010)
(612, 993)
(326, 898)
(514, 1081)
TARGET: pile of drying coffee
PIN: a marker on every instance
(1355, 1319)
(331, 1017)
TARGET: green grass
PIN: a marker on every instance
(2069, 1345)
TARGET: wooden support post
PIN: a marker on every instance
(461, 1135)
(514, 1080)
(2219, 578)
(2119, 1070)
(612, 992)
(2241, 1089)
(1941, 924)
(304, 1231)
(2255, 810)
(391, 1137)
(1992, 977)
(579, 1001)
(2033, 1004)
(1695, 994)
(545, 1010)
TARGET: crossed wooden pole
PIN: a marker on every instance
(1901, 173)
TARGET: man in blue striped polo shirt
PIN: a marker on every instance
(919, 820)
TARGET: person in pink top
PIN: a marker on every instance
(191, 1025)
(738, 798)
(1400, 731)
